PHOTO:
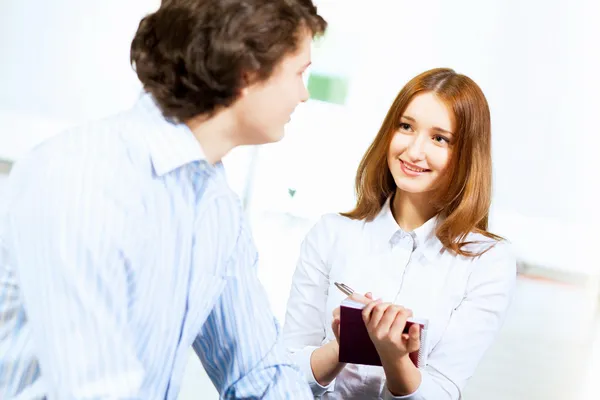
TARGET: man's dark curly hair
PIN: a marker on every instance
(192, 55)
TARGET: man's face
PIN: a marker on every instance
(264, 108)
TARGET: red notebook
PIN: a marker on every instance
(356, 346)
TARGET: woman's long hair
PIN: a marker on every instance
(464, 199)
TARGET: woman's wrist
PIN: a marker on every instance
(335, 349)
(325, 364)
(402, 377)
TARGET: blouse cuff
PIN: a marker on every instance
(302, 359)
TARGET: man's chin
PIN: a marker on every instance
(277, 136)
(267, 137)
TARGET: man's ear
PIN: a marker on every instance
(244, 91)
(249, 79)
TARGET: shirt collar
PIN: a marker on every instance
(424, 237)
(171, 145)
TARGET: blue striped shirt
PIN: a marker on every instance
(121, 248)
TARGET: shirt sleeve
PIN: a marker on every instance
(304, 329)
(68, 230)
(472, 328)
(239, 344)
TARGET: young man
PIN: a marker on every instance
(123, 246)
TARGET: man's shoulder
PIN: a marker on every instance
(218, 199)
(99, 162)
(107, 147)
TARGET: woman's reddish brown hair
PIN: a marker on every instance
(464, 198)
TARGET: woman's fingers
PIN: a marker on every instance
(359, 298)
(366, 312)
(414, 338)
(336, 313)
(397, 326)
(376, 314)
(387, 320)
(335, 327)
(335, 323)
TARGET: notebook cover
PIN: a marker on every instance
(356, 346)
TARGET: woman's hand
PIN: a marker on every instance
(335, 323)
(324, 361)
(385, 323)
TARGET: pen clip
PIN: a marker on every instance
(347, 290)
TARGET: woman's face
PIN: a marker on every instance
(420, 150)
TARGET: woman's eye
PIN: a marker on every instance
(404, 126)
(441, 139)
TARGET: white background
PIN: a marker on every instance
(66, 61)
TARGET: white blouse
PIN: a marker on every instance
(465, 299)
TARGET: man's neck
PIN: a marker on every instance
(411, 210)
(216, 134)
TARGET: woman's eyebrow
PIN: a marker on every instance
(435, 128)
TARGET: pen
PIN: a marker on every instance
(347, 290)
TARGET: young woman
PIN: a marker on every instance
(417, 241)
